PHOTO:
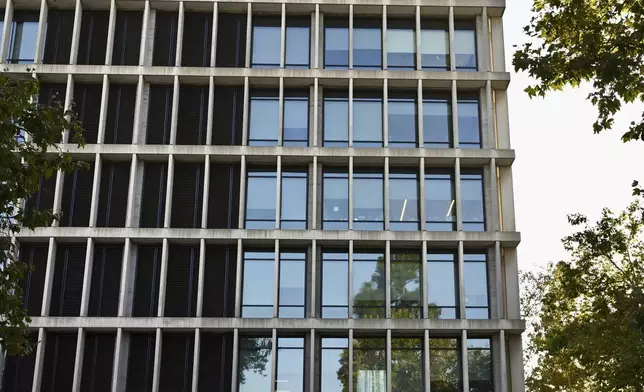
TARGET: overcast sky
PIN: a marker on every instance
(561, 166)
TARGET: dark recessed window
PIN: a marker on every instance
(258, 284)
(437, 120)
(465, 46)
(472, 204)
(475, 286)
(367, 44)
(406, 294)
(403, 201)
(335, 284)
(336, 119)
(368, 285)
(261, 192)
(401, 45)
(440, 208)
(367, 120)
(336, 44)
(402, 121)
(434, 45)
(294, 200)
(22, 43)
(469, 124)
(266, 43)
(296, 119)
(441, 286)
(335, 207)
(264, 119)
(368, 201)
(298, 42)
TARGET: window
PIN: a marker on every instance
(368, 201)
(22, 43)
(335, 285)
(473, 211)
(292, 286)
(290, 365)
(441, 286)
(266, 43)
(401, 45)
(465, 43)
(264, 119)
(406, 296)
(336, 44)
(475, 286)
(257, 294)
(298, 41)
(469, 131)
(440, 211)
(437, 120)
(334, 376)
(261, 192)
(296, 120)
(256, 350)
(335, 194)
(369, 365)
(367, 120)
(368, 285)
(367, 44)
(434, 45)
(336, 120)
(403, 201)
(294, 200)
(444, 365)
(479, 365)
(406, 364)
(402, 122)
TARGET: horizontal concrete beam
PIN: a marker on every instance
(299, 237)
(435, 326)
(295, 154)
(259, 77)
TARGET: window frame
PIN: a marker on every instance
(454, 209)
(335, 23)
(470, 26)
(469, 175)
(407, 98)
(281, 259)
(431, 258)
(323, 262)
(268, 173)
(243, 280)
(484, 261)
(368, 96)
(469, 98)
(336, 174)
(405, 25)
(265, 96)
(297, 22)
(295, 96)
(396, 175)
(435, 25)
(371, 24)
(267, 21)
(290, 173)
(368, 256)
(18, 23)
(362, 174)
(437, 97)
(418, 307)
(335, 96)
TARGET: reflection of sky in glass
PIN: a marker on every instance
(402, 122)
(336, 119)
(368, 198)
(436, 123)
(332, 349)
(367, 121)
(260, 199)
(434, 46)
(294, 192)
(258, 284)
(441, 283)
(296, 121)
(297, 46)
(335, 282)
(403, 199)
(23, 41)
(475, 284)
(290, 365)
(252, 381)
(468, 124)
(266, 45)
(292, 283)
(336, 47)
(264, 121)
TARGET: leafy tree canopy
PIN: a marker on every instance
(587, 314)
(28, 130)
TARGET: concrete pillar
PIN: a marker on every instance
(276, 281)
(506, 190)
(316, 42)
(350, 111)
(168, 192)
(242, 192)
(461, 280)
(213, 47)
(131, 192)
(498, 282)
(128, 270)
(205, 193)
(486, 51)
(419, 115)
(454, 107)
(39, 361)
(180, 22)
(6, 30)
(201, 280)
(110, 33)
(316, 111)
(119, 366)
(457, 194)
(278, 193)
(156, 378)
(421, 196)
(313, 364)
(350, 357)
(78, 362)
(211, 107)
(245, 120)
(423, 280)
(350, 303)
(515, 351)
(386, 196)
(492, 137)
(452, 43)
(350, 193)
(238, 280)
(235, 360)
(249, 39)
(388, 279)
(163, 277)
(503, 372)
(87, 277)
(103, 112)
(385, 113)
(42, 30)
(419, 54)
(502, 118)
(274, 359)
(283, 37)
(313, 281)
(175, 110)
(49, 277)
(350, 65)
(493, 223)
(147, 39)
(426, 361)
(280, 114)
(78, 15)
(384, 41)
(464, 365)
(388, 353)
(498, 54)
(140, 111)
(95, 190)
(513, 306)
(313, 225)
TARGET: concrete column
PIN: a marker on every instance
(498, 54)
(168, 192)
(175, 110)
(498, 281)
(249, 39)
(350, 303)
(38, 362)
(502, 118)
(350, 111)
(206, 191)
(235, 360)
(419, 115)
(385, 113)
(421, 196)
(242, 192)
(316, 42)
(506, 189)
(131, 192)
(156, 378)
(163, 277)
(457, 194)
(278, 194)
(110, 33)
(276, 281)
(103, 112)
(195, 360)
(280, 115)
(350, 61)
(283, 37)
(493, 224)
(461, 280)
(180, 22)
(274, 360)
(316, 117)
(419, 55)
(423, 280)
(503, 371)
(42, 30)
(312, 363)
(350, 357)
(388, 279)
(388, 353)
(6, 30)
(513, 307)
(386, 195)
(201, 279)
(144, 36)
(384, 41)
(140, 111)
(69, 98)
(49, 277)
(452, 41)
(213, 47)
(454, 108)
(486, 55)
(87, 277)
(312, 283)
(426, 362)
(95, 190)
(245, 110)
(314, 195)
(78, 360)
(78, 15)
(350, 193)
(211, 109)
(238, 280)
(516, 363)
(120, 357)
(128, 270)
(464, 365)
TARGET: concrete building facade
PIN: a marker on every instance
(297, 195)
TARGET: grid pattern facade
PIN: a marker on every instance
(282, 196)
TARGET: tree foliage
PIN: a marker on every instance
(587, 314)
(595, 41)
(28, 152)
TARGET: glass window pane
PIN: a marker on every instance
(297, 47)
(266, 47)
(444, 364)
(290, 367)
(406, 300)
(294, 200)
(260, 200)
(403, 202)
(435, 49)
(465, 42)
(475, 284)
(367, 47)
(441, 287)
(257, 293)
(335, 192)
(368, 285)
(292, 290)
(369, 365)
(473, 210)
(335, 285)
(368, 203)
(402, 123)
(406, 365)
(401, 48)
(264, 121)
(336, 122)
(336, 47)
(439, 202)
(437, 123)
(367, 122)
(479, 361)
(296, 121)
(469, 134)
(23, 42)
(255, 365)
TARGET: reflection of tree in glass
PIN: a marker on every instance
(479, 364)
(254, 356)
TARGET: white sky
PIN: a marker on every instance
(561, 166)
